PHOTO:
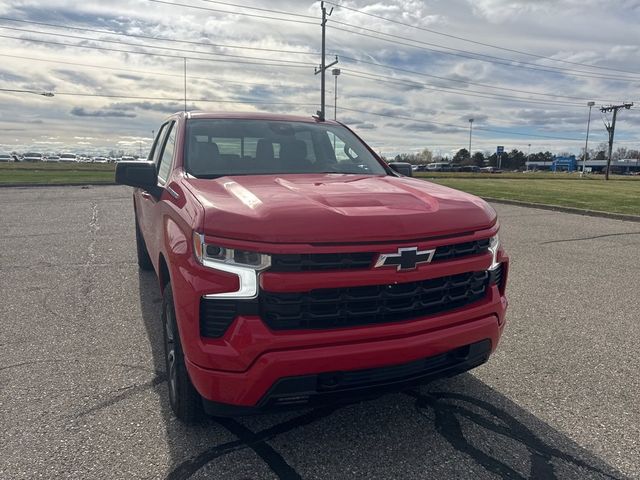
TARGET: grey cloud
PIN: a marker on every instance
(82, 112)
(128, 76)
(431, 128)
(166, 108)
(11, 77)
(366, 126)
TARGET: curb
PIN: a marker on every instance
(558, 208)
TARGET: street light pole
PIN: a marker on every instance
(586, 142)
(336, 73)
(470, 134)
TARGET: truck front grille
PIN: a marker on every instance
(309, 262)
(353, 306)
(305, 262)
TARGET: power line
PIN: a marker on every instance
(415, 72)
(166, 55)
(279, 12)
(164, 39)
(477, 42)
(173, 49)
(456, 80)
(431, 122)
(180, 99)
(151, 98)
(145, 72)
(16, 90)
(236, 13)
(474, 56)
(458, 91)
(243, 47)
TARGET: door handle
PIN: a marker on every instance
(145, 194)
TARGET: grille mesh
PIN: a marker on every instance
(345, 307)
(308, 262)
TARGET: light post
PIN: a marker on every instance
(528, 156)
(586, 142)
(470, 133)
(335, 72)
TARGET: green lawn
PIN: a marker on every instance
(618, 195)
(17, 173)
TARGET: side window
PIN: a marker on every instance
(157, 145)
(167, 154)
(342, 152)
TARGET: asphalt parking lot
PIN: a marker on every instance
(83, 392)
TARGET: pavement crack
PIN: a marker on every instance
(126, 392)
(594, 237)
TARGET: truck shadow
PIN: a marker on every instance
(455, 428)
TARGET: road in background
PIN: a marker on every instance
(83, 393)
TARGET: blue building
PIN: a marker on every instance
(564, 164)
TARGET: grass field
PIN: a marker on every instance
(618, 195)
(55, 173)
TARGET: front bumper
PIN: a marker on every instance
(257, 386)
(339, 387)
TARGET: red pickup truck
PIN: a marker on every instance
(297, 268)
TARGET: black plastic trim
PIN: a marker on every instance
(311, 391)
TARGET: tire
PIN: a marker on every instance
(144, 260)
(185, 401)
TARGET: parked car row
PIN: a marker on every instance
(451, 167)
(63, 157)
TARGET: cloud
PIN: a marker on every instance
(558, 29)
(82, 112)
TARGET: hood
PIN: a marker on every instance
(335, 208)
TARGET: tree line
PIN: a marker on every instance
(514, 159)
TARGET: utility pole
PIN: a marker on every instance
(586, 142)
(323, 65)
(185, 84)
(336, 73)
(611, 128)
(470, 133)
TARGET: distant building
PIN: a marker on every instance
(564, 164)
(571, 164)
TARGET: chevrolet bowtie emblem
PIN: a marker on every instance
(406, 258)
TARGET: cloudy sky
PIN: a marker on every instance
(412, 72)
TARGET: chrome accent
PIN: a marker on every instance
(494, 245)
(247, 277)
(385, 256)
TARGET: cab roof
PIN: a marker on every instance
(253, 116)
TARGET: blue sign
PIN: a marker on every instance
(500, 149)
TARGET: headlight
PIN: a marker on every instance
(206, 253)
(494, 244)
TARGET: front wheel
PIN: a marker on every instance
(185, 401)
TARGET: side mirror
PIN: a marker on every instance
(402, 168)
(138, 174)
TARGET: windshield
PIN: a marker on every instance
(218, 147)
